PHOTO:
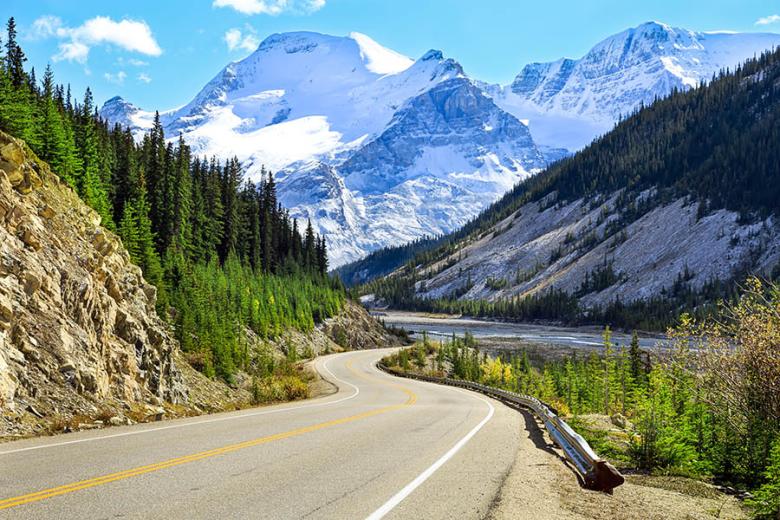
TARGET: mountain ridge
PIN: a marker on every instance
(661, 214)
(305, 98)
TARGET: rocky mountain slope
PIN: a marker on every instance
(78, 327)
(667, 206)
(80, 340)
(378, 149)
(546, 245)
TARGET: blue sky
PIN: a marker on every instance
(159, 53)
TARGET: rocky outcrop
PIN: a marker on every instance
(355, 329)
(78, 328)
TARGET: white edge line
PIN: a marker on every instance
(422, 477)
(197, 423)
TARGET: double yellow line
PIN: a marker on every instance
(141, 470)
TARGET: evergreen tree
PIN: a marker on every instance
(88, 182)
(14, 56)
(309, 247)
(182, 199)
(51, 133)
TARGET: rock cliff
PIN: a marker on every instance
(78, 328)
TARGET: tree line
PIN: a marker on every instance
(196, 228)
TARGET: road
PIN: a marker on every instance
(379, 447)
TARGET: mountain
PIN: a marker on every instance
(117, 110)
(378, 149)
(404, 148)
(571, 101)
(672, 207)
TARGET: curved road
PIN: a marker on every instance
(379, 447)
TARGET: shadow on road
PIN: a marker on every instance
(537, 436)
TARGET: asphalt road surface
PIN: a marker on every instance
(379, 447)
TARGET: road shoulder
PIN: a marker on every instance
(542, 486)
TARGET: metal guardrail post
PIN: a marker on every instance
(596, 473)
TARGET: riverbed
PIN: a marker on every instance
(509, 335)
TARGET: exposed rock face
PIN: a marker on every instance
(355, 329)
(78, 328)
(548, 245)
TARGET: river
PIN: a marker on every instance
(522, 333)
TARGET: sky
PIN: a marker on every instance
(159, 53)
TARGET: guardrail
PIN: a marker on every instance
(596, 473)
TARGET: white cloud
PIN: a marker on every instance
(117, 79)
(130, 35)
(45, 27)
(235, 39)
(144, 78)
(72, 51)
(272, 7)
(137, 63)
(768, 20)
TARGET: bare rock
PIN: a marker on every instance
(78, 327)
(32, 282)
(6, 312)
(30, 236)
(46, 212)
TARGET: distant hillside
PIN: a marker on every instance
(680, 200)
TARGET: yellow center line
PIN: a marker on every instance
(412, 397)
(141, 470)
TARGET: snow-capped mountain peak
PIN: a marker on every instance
(118, 110)
(571, 101)
(378, 59)
(379, 149)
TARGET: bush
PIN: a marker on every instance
(766, 500)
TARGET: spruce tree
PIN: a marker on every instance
(14, 56)
(309, 248)
(51, 133)
(182, 199)
(88, 183)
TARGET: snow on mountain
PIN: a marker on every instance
(446, 154)
(378, 149)
(117, 110)
(349, 125)
(569, 102)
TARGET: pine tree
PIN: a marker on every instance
(309, 247)
(14, 56)
(214, 210)
(128, 231)
(51, 134)
(88, 183)
(231, 182)
(182, 199)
